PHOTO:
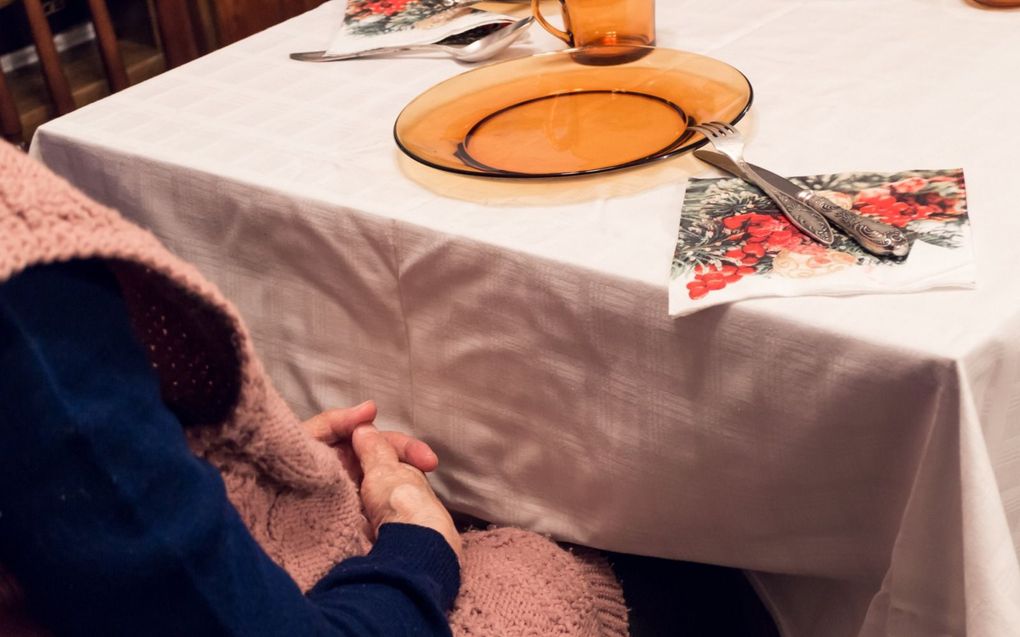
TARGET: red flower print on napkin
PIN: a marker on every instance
(367, 18)
(730, 231)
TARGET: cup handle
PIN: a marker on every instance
(537, 11)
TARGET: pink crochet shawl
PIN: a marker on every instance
(290, 490)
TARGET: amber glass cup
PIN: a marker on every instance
(613, 31)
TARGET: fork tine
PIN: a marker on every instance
(717, 128)
(721, 127)
(706, 129)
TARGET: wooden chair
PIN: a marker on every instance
(10, 123)
(176, 33)
(237, 19)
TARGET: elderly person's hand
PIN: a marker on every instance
(389, 466)
(334, 427)
(395, 491)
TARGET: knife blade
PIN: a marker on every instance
(807, 219)
(873, 235)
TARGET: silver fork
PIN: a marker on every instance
(728, 141)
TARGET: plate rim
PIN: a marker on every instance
(643, 161)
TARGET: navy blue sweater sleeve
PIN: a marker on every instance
(113, 527)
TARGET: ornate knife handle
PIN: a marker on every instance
(874, 236)
(809, 220)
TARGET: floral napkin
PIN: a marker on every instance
(370, 24)
(735, 244)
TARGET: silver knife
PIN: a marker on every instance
(810, 221)
(873, 235)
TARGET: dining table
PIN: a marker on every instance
(857, 456)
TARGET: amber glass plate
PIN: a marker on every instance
(559, 114)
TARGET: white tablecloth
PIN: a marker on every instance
(861, 456)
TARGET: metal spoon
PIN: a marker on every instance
(481, 49)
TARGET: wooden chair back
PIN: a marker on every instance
(10, 123)
(176, 32)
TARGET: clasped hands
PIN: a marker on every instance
(390, 468)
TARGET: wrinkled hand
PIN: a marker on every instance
(334, 427)
(389, 466)
(396, 491)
